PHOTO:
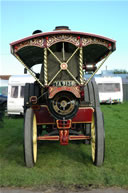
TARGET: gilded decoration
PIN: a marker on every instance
(88, 41)
(85, 41)
(50, 40)
(39, 42)
(66, 38)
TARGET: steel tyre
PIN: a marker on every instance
(91, 97)
(96, 102)
(87, 132)
(30, 89)
(26, 95)
(91, 94)
(86, 128)
(97, 138)
(30, 138)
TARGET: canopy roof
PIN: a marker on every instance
(30, 49)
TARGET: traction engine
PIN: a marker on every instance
(61, 105)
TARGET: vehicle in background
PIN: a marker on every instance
(3, 102)
(110, 89)
(15, 100)
(3, 94)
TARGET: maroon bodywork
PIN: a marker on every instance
(84, 115)
(44, 117)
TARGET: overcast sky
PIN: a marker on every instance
(20, 18)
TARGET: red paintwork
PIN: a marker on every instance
(84, 115)
(78, 137)
(48, 138)
(43, 116)
(63, 32)
(64, 124)
(64, 136)
(75, 90)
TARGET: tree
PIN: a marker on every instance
(116, 71)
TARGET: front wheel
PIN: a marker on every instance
(97, 138)
(30, 138)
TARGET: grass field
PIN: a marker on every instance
(67, 166)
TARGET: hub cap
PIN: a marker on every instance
(63, 104)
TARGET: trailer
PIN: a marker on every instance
(110, 89)
(60, 102)
(15, 100)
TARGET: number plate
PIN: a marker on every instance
(64, 83)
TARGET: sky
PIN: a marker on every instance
(19, 19)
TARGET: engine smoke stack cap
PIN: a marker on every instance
(61, 28)
(36, 32)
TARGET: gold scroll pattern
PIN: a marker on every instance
(39, 42)
(73, 39)
(62, 38)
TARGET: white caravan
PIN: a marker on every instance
(110, 89)
(16, 93)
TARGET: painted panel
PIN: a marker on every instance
(84, 115)
(43, 116)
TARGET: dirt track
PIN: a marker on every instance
(53, 190)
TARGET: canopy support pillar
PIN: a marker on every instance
(45, 68)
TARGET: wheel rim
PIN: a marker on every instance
(93, 138)
(34, 139)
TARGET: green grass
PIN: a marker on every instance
(67, 166)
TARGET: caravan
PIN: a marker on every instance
(110, 89)
(15, 101)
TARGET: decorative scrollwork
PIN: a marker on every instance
(88, 41)
(39, 42)
(65, 38)
(73, 39)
